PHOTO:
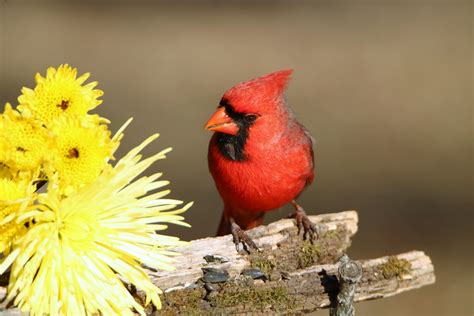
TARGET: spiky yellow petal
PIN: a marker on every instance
(81, 248)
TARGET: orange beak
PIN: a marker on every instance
(221, 122)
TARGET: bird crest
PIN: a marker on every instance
(259, 95)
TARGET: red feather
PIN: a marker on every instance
(278, 153)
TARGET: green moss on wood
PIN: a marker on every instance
(233, 295)
(294, 253)
(308, 255)
(395, 267)
(184, 301)
(329, 234)
(262, 262)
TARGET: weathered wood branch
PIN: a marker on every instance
(302, 291)
(278, 240)
(350, 273)
(287, 275)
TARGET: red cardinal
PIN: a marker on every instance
(260, 157)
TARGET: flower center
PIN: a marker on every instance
(80, 229)
(64, 105)
(73, 153)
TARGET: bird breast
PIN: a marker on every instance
(276, 168)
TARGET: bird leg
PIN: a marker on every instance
(303, 222)
(240, 236)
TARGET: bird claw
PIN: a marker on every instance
(241, 237)
(304, 223)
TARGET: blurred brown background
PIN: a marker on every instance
(384, 86)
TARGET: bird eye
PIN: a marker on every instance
(250, 118)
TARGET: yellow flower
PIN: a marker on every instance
(80, 249)
(58, 93)
(5, 171)
(13, 195)
(24, 142)
(81, 151)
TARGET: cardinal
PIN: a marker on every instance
(260, 156)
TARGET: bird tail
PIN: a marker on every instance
(247, 221)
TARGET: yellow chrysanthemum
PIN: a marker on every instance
(80, 249)
(24, 142)
(14, 197)
(5, 171)
(58, 93)
(80, 152)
